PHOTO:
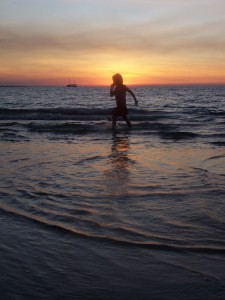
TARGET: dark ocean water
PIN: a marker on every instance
(156, 187)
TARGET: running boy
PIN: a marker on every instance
(118, 89)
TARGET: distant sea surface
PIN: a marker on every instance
(156, 188)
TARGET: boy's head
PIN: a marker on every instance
(117, 79)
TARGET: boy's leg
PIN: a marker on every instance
(127, 121)
(113, 121)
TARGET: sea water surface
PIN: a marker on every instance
(158, 186)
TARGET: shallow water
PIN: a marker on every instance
(157, 186)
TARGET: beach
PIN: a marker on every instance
(91, 213)
(39, 262)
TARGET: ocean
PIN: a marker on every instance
(87, 212)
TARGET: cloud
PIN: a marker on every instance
(99, 36)
(154, 37)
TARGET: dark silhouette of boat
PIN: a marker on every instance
(71, 84)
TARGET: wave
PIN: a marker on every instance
(167, 125)
(221, 144)
(74, 128)
(178, 135)
(165, 130)
(104, 238)
(52, 113)
(75, 114)
(57, 110)
(216, 157)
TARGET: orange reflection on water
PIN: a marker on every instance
(119, 167)
(119, 155)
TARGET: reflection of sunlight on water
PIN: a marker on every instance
(119, 156)
(119, 165)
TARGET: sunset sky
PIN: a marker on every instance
(46, 42)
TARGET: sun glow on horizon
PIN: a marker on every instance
(46, 42)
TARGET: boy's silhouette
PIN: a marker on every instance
(118, 89)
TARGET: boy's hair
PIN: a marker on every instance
(117, 78)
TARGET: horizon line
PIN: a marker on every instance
(106, 85)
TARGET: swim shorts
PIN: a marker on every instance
(120, 111)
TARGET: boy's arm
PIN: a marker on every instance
(112, 93)
(133, 95)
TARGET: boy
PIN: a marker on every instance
(118, 89)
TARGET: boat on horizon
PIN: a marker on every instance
(71, 84)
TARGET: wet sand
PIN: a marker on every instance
(43, 262)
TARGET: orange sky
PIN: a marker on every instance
(46, 42)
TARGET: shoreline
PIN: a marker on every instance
(42, 262)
